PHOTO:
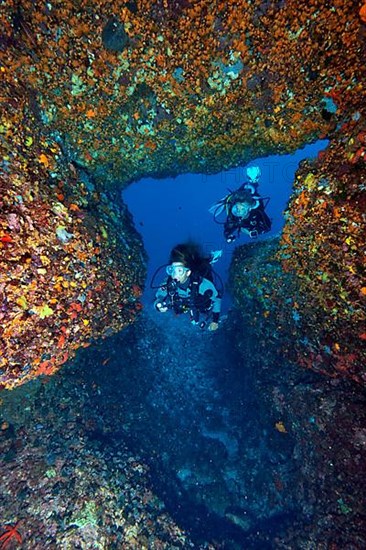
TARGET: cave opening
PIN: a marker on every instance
(194, 410)
(173, 210)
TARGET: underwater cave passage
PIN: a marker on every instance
(173, 210)
(123, 426)
(197, 413)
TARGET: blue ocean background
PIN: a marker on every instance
(173, 210)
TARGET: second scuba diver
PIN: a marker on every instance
(245, 209)
(189, 287)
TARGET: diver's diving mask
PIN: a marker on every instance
(176, 270)
(241, 209)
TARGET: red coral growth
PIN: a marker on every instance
(11, 532)
(363, 13)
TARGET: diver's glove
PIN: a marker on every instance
(161, 307)
(230, 238)
(214, 325)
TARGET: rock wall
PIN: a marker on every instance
(302, 312)
(71, 263)
(307, 290)
(324, 245)
(156, 88)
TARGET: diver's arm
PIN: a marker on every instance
(246, 231)
(231, 225)
(264, 223)
(160, 299)
(257, 223)
(205, 286)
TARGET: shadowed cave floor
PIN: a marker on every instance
(190, 419)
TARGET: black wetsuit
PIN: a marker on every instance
(255, 224)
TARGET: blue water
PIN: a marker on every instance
(174, 210)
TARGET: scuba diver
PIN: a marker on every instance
(245, 209)
(190, 286)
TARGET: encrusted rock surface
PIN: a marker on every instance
(71, 268)
(64, 483)
(225, 446)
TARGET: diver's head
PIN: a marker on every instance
(242, 209)
(244, 202)
(178, 271)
